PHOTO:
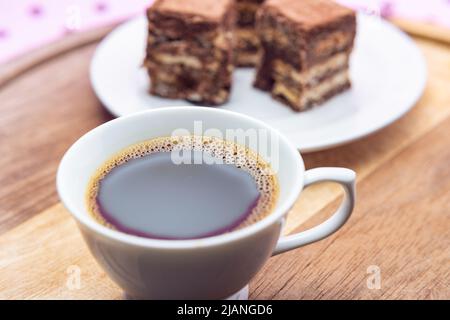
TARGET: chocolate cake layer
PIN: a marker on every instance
(311, 98)
(247, 47)
(311, 76)
(305, 41)
(246, 11)
(247, 41)
(180, 82)
(302, 90)
(306, 47)
(189, 49)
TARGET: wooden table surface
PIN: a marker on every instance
(400, 230)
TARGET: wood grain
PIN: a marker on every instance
(423, 30)
(26, 62)
(401, 223)
(368, 154)
(43, 113)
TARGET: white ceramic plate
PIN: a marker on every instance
(388, 74)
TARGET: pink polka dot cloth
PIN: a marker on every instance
(29, 24)
(435, 12)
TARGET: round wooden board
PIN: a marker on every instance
(400, 224)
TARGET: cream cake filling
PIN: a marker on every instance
(190, 61)
(274, 36)
(312, 75)
(334, 41)
(300, 97)
(248, 58)
(316, 93)
(185, 60)
(223, 39)
(219, 97)
(166, 77)
(247, 34)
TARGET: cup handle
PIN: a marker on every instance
(346, 178)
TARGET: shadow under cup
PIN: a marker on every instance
(207, 268)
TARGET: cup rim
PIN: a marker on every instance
(83, 218)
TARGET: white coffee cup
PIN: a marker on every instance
(208, 268)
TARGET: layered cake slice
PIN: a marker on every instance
(306, 46)
(189, 50)
(247, 41)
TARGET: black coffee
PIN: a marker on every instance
(182, 188)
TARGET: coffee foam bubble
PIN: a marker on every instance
(229, 152)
